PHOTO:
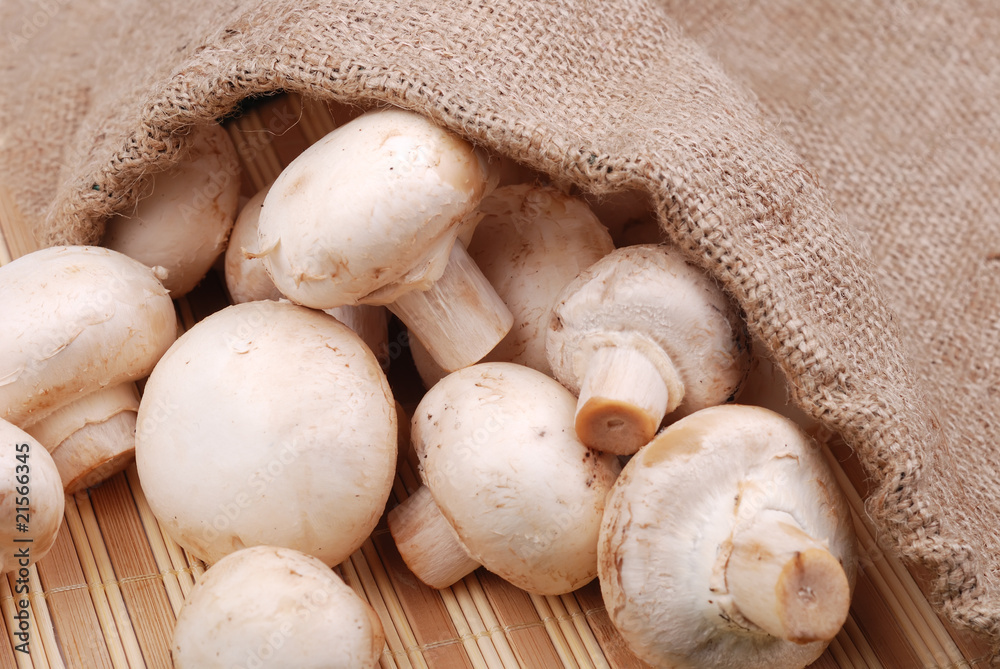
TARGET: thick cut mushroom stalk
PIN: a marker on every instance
(641, 334)
(370, 214)
(248, 281)
(275, 607)
(279, 428)
(507, 484)
(81, 324)
(532, 241)
(31, 499)
(182, 225)
(727, 543)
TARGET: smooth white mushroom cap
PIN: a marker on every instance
(371, 211)
(668, 531)
(27, 472)
(648, 298)
(267, 423)
(274, 607)
(77, 319)
(499, 454)
(531, 242)
(248, 281)
(246, 278)
(183, 224)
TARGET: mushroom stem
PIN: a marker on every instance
(370, 323)
(427, 543)
(92, 437)
(623, 399)
(460, 318)
(96, 452)
(785, 582)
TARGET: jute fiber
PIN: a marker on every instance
(895, 107)
(854, 232)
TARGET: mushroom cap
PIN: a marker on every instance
(648, 297)
(267, 423)
(275, 607)
(498, 451)
(370, 211)
(183, 224)
(667, 535)
(76, 319)
(246, 278)
(26, 465)
(531, 242)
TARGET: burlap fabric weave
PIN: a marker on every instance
(832, 165)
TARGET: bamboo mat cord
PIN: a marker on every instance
(108, 581)
(122, 644)
(154, 536)
(581, 621)
(490, 621)
(23, 660)
(41, 628)
(476, 628)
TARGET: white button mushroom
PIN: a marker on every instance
(248, 281)
(641, 334)
(370, 214)
(183, 223)
(726, 542)
(80, 324)
(246, 278)
(279, 428)
(531, 242)
(275, 607)
(31, 499)
(507, 484)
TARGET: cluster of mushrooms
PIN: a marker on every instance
(266, 435)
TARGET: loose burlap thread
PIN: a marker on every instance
(841, 281)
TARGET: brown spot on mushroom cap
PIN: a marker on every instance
(668, 529)
(682, 442)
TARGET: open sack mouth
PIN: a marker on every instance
(668, 161)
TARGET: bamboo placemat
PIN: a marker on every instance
(108, 593)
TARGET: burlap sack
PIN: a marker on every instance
(853, 219)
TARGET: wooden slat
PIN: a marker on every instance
(18, 239)
(74, 607)
(43, 631)
(135, 568)
(12, 626)
(615, 649)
